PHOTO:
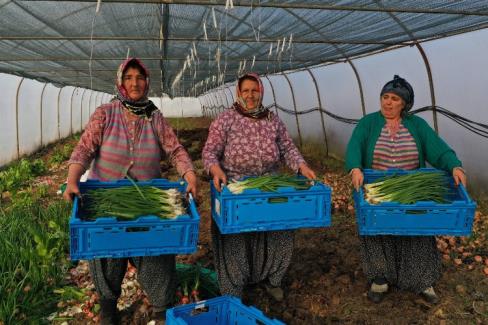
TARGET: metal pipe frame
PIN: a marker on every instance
(295, 108)
(191, 39)
(273, 92)
(17, 116)
(304, 5)
(58, 117)
(71, 112)
(321, 113)
(81, 109)
(40, 111)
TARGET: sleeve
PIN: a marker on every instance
(90, 140)
(215, 144)
(354, 150)
(437, 152)
(177, 154)
(288, 151)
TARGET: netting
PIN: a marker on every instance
(192, 46)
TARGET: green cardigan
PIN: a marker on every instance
(431, 147)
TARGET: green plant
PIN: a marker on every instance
(61, 154)
(33, 262)
(17, 175)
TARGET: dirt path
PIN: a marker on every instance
(325, 283)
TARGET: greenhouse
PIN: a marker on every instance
(324, 68)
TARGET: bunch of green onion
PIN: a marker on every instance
(130, 202)
(408, 189)
(269, 183)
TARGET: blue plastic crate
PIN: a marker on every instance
(419, 219)
(145, 236)
(218, 311)
(287, 208)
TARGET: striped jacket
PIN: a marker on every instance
(117, 147)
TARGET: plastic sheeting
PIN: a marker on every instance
(35, 114)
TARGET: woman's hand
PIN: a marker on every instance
(306, 171)
(72, 190)
(459, 176)
(191, 178)
(218, 176)
(357, 178)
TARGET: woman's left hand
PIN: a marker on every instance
(459, 176)
(306, 171)
(191, 178)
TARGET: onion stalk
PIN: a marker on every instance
(409, 189)
(269, 183)
(130, 202)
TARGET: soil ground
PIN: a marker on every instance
(325, 283)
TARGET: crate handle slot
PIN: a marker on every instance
(199, 310)
(137, 229)
(416, 211)
(281, 199)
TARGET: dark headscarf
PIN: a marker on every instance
(401, 88)
(143, 106)
(240, 105)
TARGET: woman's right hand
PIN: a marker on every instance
(357, 178)
(218, 177)
(72, 190)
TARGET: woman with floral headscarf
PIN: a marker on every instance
(392, 138)
(249, 140)
(129, 137)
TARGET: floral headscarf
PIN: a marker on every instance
(240, 105)
(141, 106)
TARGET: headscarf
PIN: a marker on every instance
(240, 104)
(401, 88)
(143, 106)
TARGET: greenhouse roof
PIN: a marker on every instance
(191, 46)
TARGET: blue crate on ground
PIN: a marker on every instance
(145, 236)
(419, 219)
(218, 311)
(288, 208)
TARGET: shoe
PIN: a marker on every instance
(109, 314)
(376, 292)
(430, 296)
(275, 292)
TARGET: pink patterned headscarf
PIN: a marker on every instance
(122, 92)
(143, 106)
(240, 104)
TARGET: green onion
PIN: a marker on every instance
(408, 189)
(269, 183)
(130, 202)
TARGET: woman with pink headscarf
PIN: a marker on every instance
(129, 137)
(249, 140)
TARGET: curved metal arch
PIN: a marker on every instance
(81, 109)
(17, 115)
(342, 52)
(230, 92)
(71, 112)
(294, 108)
(58, 117)
(424, 58)
(89, 103)
(274, 95)
(40, 110)
(321, 113)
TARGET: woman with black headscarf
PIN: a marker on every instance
(129, 137)
(393, 138)
(249, 140)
